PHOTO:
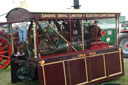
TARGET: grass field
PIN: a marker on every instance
(5, 77)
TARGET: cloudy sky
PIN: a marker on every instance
(87, 5)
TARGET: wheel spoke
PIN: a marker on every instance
(3, 56)
(4, 52)
(3, 47)
(0, 43)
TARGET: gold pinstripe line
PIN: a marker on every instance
(64, 73)
(91, 81)
(86, 69)
(82, 83)
(115, 74)
(53, 63)
(98, 79)
(76, 59)
(104, 65)
(120, 60)
(44, 75)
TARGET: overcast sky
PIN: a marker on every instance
(87, 5)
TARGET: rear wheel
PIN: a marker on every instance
(5, 52)
(124, 44)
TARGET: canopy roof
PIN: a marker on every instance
(20, 14)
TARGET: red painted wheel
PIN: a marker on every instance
(5, 52)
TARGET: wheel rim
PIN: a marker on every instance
(5, 52)
(124, 45)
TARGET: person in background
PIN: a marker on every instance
(22, 33)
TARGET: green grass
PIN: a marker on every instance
(5, 78)
(122, 80)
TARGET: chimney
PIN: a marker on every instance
(76, 4)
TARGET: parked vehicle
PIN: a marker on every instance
(124, 38)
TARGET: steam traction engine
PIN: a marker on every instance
(64, 48)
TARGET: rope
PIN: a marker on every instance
(3, 14)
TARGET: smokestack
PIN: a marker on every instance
(76, 4)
